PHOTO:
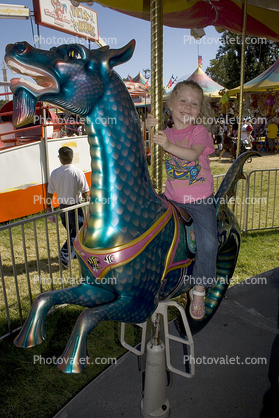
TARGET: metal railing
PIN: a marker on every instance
(30, 264)
(256, 204)
(261, 205)
(30, 261)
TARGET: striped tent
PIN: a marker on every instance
(210, 87)
(140, 79)
(268, 80)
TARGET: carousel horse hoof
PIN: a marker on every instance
(31, 336)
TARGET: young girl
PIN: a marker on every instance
(189, 180)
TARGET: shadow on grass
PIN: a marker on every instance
(31, 383)
(32, 267)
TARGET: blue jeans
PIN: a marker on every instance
(72, 230)
(204, 217)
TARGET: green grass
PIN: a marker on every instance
(31, 389)
(258, 253)
(41, 390)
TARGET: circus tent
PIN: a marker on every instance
(210, 87)
(140, 79)
(136, 89)
(268, 80)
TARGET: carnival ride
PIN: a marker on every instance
(131, 233)
(34, 146)
(228, 234)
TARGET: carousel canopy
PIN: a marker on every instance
(210, 87)
(268, 80)
(262, 16)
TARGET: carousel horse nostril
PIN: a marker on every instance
(8, 47)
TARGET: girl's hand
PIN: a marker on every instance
(150, 121)
(161, 138)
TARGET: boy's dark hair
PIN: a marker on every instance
(66, 154)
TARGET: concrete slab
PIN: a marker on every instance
(237, 365)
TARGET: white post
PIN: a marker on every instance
(158, 359)
(154, 402)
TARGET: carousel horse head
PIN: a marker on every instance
(134, 250)
(70, 76)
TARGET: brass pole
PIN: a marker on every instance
(244, 9)
(156, 19)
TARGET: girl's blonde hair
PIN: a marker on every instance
(206, 116)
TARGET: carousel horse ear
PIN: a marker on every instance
(119, 56)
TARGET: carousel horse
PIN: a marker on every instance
(134, 249)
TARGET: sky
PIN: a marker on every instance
(180, 50)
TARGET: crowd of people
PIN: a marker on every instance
(252, 129)
(224, 131)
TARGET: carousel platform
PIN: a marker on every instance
(237, 365)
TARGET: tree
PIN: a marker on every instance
(260, 54)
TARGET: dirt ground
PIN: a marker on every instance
(265, 161)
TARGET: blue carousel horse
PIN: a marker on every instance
(133, 250)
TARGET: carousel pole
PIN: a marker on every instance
(156, 19)
(44, 128)
(242, 69)
(154, 402)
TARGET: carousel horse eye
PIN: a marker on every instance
(73, 53)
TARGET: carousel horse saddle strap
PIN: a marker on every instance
(183, 215)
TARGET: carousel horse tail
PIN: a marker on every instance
(229, 237)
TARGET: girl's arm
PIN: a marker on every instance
(188, 154)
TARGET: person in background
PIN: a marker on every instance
(249, 130)
(259, 128)
(219, 137)
(228, 142)
(244, 132)
(272, 130)
(70, 185)
(235, 126)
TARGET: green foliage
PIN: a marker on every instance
(260, 54)
(2, 102)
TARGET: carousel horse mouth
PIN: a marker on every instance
(44, 81)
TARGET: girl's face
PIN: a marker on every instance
(185, 107)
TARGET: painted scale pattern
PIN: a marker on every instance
(124, 211)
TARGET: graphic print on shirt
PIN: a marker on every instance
(177, 169)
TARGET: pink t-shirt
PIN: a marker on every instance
(188, 181)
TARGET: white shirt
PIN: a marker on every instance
(69, 182)
(243, 131)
